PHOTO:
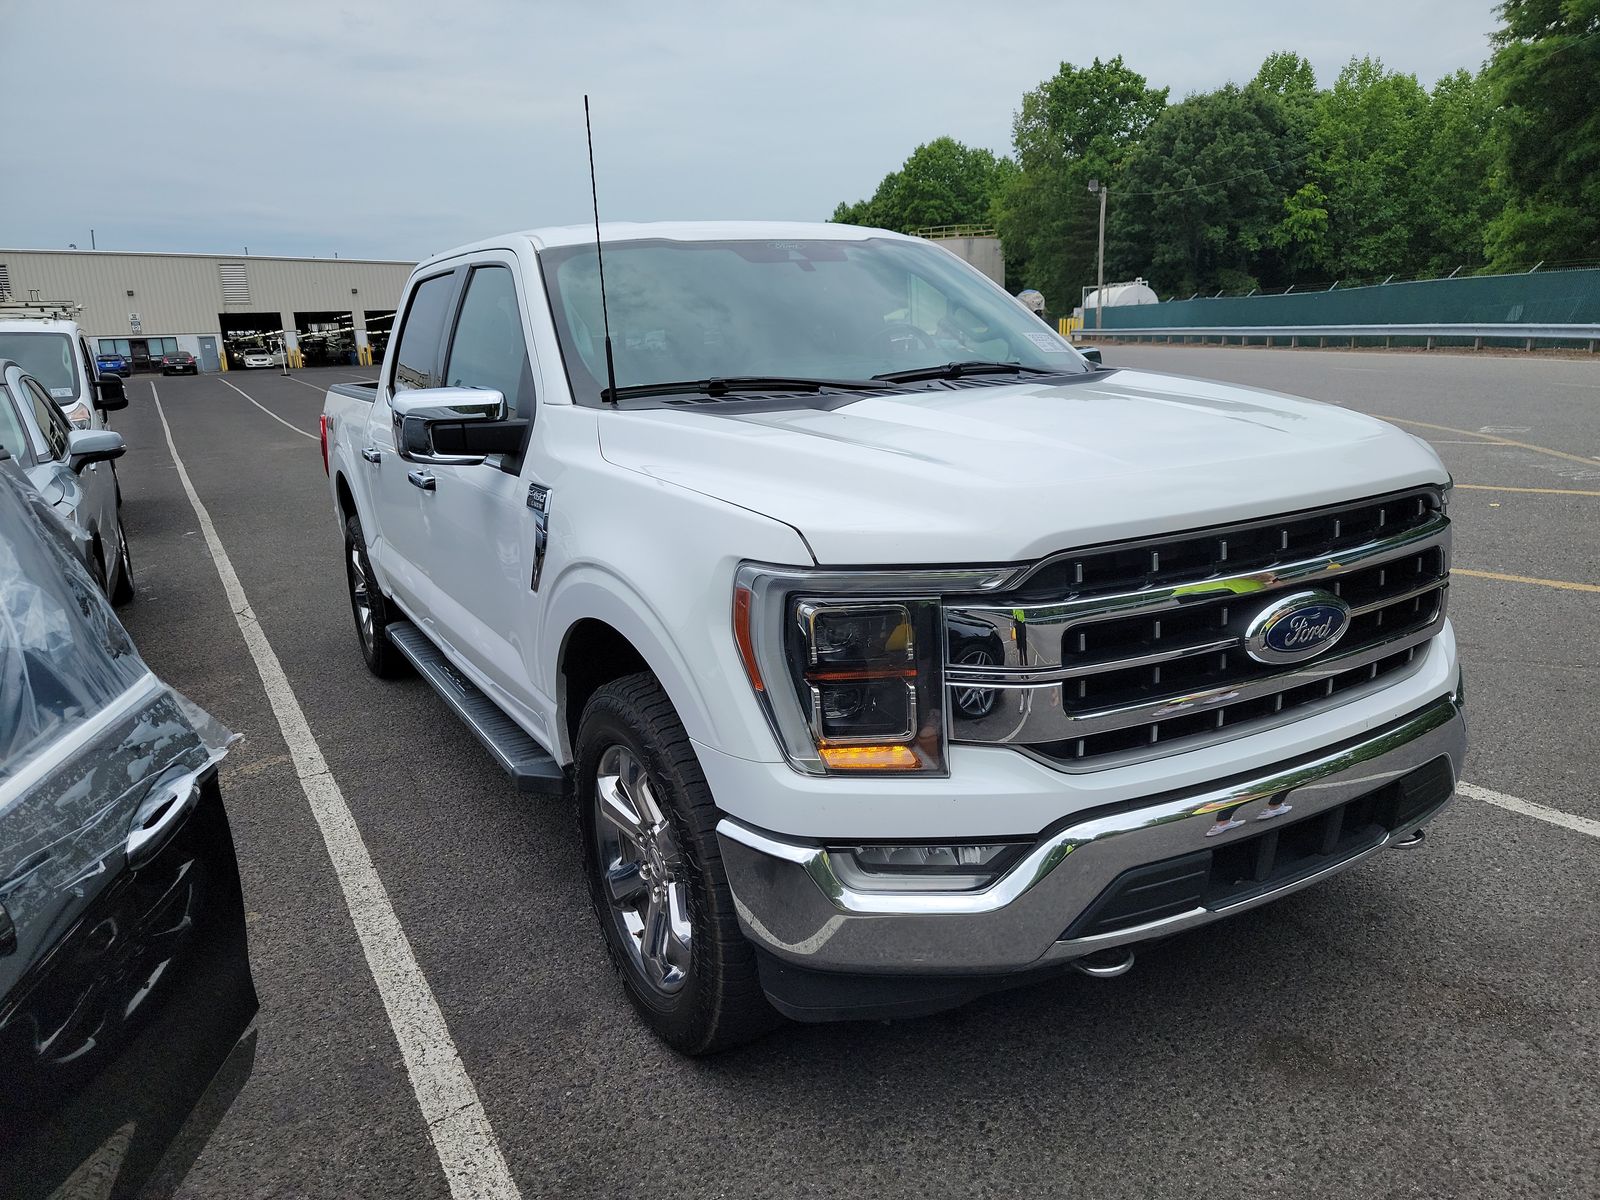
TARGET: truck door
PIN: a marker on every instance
(401, 540)
(485, 531)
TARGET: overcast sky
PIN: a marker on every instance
(402, 128)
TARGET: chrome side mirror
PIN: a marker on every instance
(419, 414)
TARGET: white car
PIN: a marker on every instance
(57, 354)
(260, 358)
(71, 470)
(895, 652)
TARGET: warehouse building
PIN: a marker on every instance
(315, 311)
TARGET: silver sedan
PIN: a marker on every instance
(71, 469)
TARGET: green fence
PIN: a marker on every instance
(1554, 297)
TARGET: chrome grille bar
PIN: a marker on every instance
(1089, 680)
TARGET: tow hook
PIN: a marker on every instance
(1106, 964)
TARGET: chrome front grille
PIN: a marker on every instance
(1121, 653)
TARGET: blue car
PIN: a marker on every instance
(113, 364)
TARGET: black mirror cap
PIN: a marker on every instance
(479, 437)
(113, 395)
(1092, 353)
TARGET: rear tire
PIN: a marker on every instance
(647, 821)
(373, 611)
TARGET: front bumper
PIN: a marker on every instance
(793, 906)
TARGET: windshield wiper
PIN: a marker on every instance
(729, 384)
(955, 370)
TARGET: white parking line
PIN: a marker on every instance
(303, 383)
(462, 1136)
(314, 437)
(1529, 809)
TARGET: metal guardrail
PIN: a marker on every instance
(1296, 333)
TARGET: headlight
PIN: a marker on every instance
(849, 666)
(79, 415)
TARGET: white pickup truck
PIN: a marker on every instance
(894, 651)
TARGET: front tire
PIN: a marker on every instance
(123, 592)
(648, 826)
(373, 611)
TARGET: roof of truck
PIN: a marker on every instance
(684, 231)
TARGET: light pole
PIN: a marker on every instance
(1095, 188)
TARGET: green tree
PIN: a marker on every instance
(1545, 75)
(1201, 199)
(1285, 73)
(942, 183)
(1075, 126)
(1457, 190)
(1370, 130)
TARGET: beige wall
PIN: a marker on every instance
(177, 294)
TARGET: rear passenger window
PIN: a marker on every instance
(489, 349)
(416, 361)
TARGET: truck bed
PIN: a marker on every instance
(356, 391)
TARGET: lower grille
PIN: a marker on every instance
(1249, 865)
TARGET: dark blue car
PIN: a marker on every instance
(113, 364)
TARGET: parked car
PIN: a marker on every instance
(896, 653)
(71, 468)
(56, 353)
(114, 364)
(260, 358)
(179, 362)
(125, 986)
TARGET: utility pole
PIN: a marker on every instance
(1095, 188)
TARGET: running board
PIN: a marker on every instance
(523, 758)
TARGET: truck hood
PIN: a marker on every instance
(1008, 473)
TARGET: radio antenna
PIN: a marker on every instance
(610, 394)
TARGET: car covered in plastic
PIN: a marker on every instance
(126, 999)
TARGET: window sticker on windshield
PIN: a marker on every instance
(61, 393)
(1048, 342)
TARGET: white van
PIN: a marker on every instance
(57, 354)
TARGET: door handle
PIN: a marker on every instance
(422, 479)
(372, 454)
(154, 823)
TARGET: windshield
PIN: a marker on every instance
(47, 357)
(820, 309)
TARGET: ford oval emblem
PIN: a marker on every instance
(1297, 627)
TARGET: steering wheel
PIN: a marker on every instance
(900, 337)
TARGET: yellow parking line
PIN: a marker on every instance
(1496, 440)
(1564, 584)
(1489, 487)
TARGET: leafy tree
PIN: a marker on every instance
(942, 183)
(1370, 130)
(1286, 74)
(1075, 126)
(1545, 75)
(1201, 198)
(1456, 188)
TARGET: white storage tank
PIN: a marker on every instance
(1117, 294)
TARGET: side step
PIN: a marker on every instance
(524, 759)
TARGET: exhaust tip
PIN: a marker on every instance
(1416, 838)
(1106, 964)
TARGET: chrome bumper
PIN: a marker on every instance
(792, 904)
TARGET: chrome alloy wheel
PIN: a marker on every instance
(644, 873)
(360, 597)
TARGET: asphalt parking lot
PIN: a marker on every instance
(1426, 1025)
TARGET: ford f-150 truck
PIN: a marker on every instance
(893, 651)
